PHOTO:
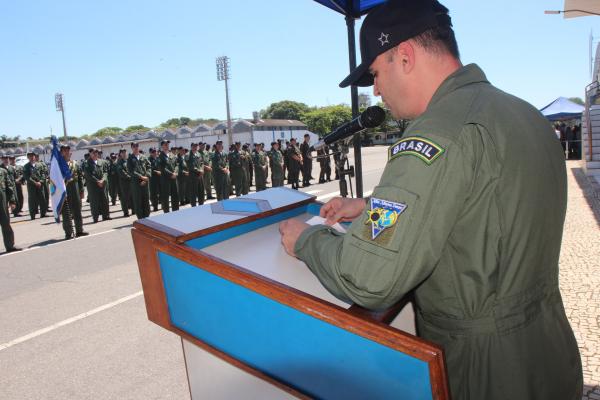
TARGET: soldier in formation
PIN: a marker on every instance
(36, 196)
(195, 182)
(113, 178)
(71, 210)
(305, 150)
(236, 168)
(325, 163)
(294, 164)
(96, 177)
(8, 200)
(12, 178)
(169, 171)
(139, 171)
(124, 183)
(259, 160)
(220, 167)
(154, 179)
(182, 176)
(276, 161)
(19, 184)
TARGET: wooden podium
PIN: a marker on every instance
(255, 323)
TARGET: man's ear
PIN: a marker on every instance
(405, 56)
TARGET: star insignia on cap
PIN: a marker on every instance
(384, 38)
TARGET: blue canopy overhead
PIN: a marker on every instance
(354, 8)
(562, 108)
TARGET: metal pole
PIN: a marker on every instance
(64, 124)
(229, 134)
(354, 98)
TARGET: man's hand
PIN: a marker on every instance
(38, 184)
(12, 206)
(340, 209)
(290, 232)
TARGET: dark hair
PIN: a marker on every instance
(439, 39)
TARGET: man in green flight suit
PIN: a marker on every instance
(71, 210)
(35, 192)
(140, 177)
(246, 159)
(169, 170)
(124, 183)
(207, 160)
(195, 183)
(7, 204)
(96, 176)
(468, 213)
(276, 160)
(220, 168)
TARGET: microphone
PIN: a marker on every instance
(370, 118)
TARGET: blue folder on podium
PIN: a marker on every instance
(256, 323)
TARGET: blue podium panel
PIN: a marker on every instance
(306, 353)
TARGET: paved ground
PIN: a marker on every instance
(580, 272)
(73, 322)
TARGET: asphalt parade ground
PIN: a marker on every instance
(73, 322)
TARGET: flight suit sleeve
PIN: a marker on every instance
(375, 268)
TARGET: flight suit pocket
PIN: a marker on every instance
(385, 227)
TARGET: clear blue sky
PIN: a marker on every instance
(128, 62)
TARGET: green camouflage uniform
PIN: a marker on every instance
(276, 160)
(35, 195)
(182, 178)
(138, 168)
(259, 160)
(154, 182)
(469, 215)
(220, 177)
(238, 175)
(195, 183)
(94, 173)
(168, 184)
(7, 196)
(71, 211)
(124, 187)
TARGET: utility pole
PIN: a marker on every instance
(223, 75)
(58, 99)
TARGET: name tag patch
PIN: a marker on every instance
(383, 215)
(421, 148)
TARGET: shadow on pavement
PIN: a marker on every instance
(591, 191)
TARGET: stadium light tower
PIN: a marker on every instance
(58, 99)
(223, 75)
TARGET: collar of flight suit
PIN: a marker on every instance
(466, 75)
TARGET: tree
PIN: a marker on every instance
(286, 109)
(323, 120)
(135, 128)
(577, 100)
(175, 122)
(108, 131)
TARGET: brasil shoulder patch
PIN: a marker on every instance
(424, 149)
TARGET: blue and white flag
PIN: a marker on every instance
(59, 172)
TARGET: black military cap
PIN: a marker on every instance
(152, 150)
(389, 24)
(64, 146)
(292, 140)
(238, 143)
(30, 153)
(122, 151)
(164, 141)
(134, 144)
(193, 144)
(219, 142)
